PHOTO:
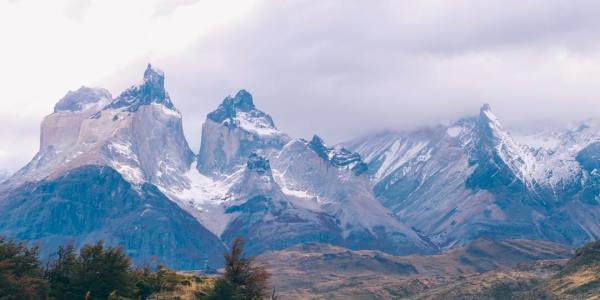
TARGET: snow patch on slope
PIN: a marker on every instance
(454, 131)
(517, 157)
(255, 124)
(205, 198)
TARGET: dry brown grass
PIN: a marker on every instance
(189, 288)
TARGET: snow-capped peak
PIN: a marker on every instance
(82, 99)
(232, 106)
(154, 75)
(493, 138)
(239, 111)
(232, 132)
(487, 116)
(490, 126)
(317, 144)
(338, 156)
(152, 90)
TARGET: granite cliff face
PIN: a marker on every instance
(232, 132)
(126, 134)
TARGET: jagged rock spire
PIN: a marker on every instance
(241, 102)
(152, 90)
(317, 144)
(339, 156)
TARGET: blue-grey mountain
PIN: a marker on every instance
(121, 170)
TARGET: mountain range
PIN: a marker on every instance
(120, 169)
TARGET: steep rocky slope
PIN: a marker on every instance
(94, 203)
(472, 178)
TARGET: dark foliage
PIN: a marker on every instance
(21, 275)
(244, 278)
(97, 272)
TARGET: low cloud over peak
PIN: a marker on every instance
(342, 69)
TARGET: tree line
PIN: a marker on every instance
(99, 272)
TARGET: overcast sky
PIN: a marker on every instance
(337, 68)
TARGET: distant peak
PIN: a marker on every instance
(154, 75)
(487, 116)
(317, 140)
(244, 96)
(318, 145)
(485, 107)
(241, 102)
(152, 90)
(338, 156)
(82, 99)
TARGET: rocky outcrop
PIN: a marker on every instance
(267, 219)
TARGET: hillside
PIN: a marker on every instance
(318, 271)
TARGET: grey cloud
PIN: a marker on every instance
(341, 68)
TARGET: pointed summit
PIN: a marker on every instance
(318, 145)
(485, 107)
(231, 106)
(338, 156)
(486, 114)
(152, 90)
(501, 160)
(243, 100)
(232, 132)
(153, 75)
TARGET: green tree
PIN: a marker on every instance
(244, 279)
(96, 273)
(102, 271)
(61, 274)
(21, 274)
